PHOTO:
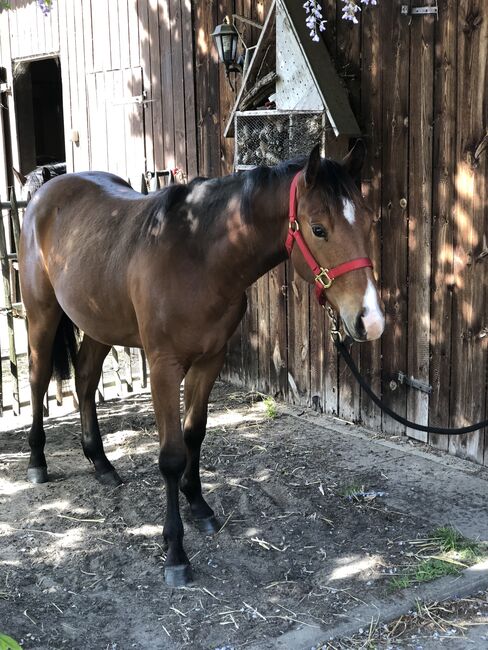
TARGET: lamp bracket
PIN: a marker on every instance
(248, 21)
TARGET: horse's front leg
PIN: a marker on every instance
(166, 377)
(198, 384)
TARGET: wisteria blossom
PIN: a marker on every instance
(316, 22)
(351, 8)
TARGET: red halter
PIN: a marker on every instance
(323, 277)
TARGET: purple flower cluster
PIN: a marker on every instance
(314, 21)
(351, 7)
(45, 6)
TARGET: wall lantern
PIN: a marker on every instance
(226, 38)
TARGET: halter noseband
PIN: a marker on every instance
(323, 277)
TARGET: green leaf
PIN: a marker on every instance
(7, 643)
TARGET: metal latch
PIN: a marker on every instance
(414, 383)
(5, 88)
(420, 11)
(136, 99)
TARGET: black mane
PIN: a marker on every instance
(333, 181)
(169, 205)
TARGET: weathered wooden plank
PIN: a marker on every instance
(66, 82)
(189, 81)
(154, 67)
(72, 61)
(333, 149)
(278, 348)
(394, 54)
(101, 32)
(264, 370)
(442, 211)
(134, 36)
(207, 90)
(178, 87)
(298, 338)
(115, 94)
(420, 216)
(250, 340)
(134, 121)
(371, 103)
(124, 34)
(145, 54)
(469, 348)
(87, 35)
(168, 132)
(318, 359)
(114, 34)
(54, 29)
(348, 58)
(81, 154)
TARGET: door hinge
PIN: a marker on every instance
(414, 383)
(420, 11)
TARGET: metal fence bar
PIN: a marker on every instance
(5, 266)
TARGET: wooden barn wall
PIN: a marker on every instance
(421, 98)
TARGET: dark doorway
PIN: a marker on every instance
(39, 112)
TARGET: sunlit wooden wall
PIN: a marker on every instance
(143, 90)
(420, 92)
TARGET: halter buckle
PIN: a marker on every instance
(327, 282)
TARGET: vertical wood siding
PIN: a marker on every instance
(418, 88)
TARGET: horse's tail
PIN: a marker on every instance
(65, 348)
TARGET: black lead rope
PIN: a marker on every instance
(341, 347)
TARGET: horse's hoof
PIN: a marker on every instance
(178, 576)
(37, 475)
(110, 479)
(208, 525)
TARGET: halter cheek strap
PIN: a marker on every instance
(323, 277)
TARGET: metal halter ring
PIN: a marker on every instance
(324, 273)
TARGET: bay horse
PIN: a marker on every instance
(168, 273)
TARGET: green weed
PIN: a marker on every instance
(444, 552)
(7, 643)
(270, 408)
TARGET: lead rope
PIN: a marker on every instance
(339, 341)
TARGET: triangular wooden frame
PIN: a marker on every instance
(329, 85)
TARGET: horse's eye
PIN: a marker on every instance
(319, 231)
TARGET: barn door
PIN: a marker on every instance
(116, 103)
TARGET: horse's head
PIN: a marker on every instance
(335, 223)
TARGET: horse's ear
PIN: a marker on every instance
(46, 175)
(354, 160)
(313, 166)
(20, 177)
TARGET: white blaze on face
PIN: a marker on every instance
(349, 210)
(373, 319)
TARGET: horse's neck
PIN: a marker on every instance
(268, 224)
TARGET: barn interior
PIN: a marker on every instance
(39, 111)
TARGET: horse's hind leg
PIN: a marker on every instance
(88, 369)
(43, 324)
(198, 384)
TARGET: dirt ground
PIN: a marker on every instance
(81, 565)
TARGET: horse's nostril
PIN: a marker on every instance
(360, 329)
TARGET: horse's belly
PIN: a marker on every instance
(101, 316)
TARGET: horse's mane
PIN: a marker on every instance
(168, 205)
(333, 180)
